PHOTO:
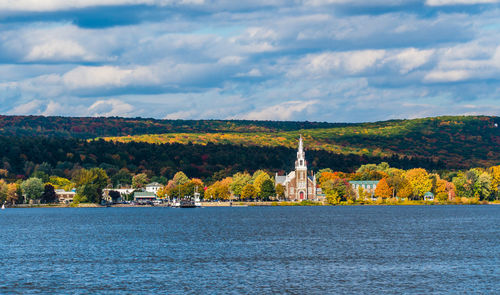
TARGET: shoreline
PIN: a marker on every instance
(251, 204)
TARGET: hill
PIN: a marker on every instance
(222, 147)
(458, 141)
(91, 127)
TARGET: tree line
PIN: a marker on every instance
(21, 157)
(394, 185)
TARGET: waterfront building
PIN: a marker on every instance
(144, 197)
(298, 184)
(428, 196)
(122, 191)
(368, 187)
(65, 197)
(153, 187)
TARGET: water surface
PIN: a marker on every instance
(261, 250)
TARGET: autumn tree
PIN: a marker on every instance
(248, 192)
(239, 181)
(259, 181)
(338, 189)
(383, 190)
(140, 180)
(219, 190)
(13, 193)
(404, 189)
(419, 180)
(60, 183)
(280, 191)
(495, 180)
(180, 178)
(3, 191)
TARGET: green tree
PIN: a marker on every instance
(49, 195)
(239, 181)
(259, 181)
(32, 188)
(267, 190)
(338, 189)
(115, 196)
(140, 180)
(121, 177)
(89, 184)
(180, 178)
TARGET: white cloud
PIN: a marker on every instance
(412, 58)
(283, 111)
(31, 107)
(458, 2)
(107, 76)
(447, 76)
(352, 62)
(55, 5)
(110, 107)
(58, 50)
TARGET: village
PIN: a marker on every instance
(370, 184)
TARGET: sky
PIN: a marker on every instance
(314, 60)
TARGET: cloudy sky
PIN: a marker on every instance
(316, 60)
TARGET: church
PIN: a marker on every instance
(298, 185)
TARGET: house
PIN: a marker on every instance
(122, 191)
(65, 197)
(428, 196)
(368, 187)
(144, 197)
(153, 187)
(298, 185)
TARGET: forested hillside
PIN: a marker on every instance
(460, 142)
(21, 157)
(207, 148)
(91, 127)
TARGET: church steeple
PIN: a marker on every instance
(301, 164)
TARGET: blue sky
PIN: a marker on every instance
(316, 60)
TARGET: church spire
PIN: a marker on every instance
(301, 145)
(301, 157)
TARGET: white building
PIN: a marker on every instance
(153, 187)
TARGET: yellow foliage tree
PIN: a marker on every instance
(259, 180)
(419, 180)
(495, 177)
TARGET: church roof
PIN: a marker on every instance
(280, 179)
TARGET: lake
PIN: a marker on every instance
(251, 250)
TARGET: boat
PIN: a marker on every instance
(3, 206)
(187, 202)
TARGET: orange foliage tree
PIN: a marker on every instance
(383, 189)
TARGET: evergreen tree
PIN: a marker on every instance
(49, 195)
(267, 190)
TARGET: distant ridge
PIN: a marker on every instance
(456, 141)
